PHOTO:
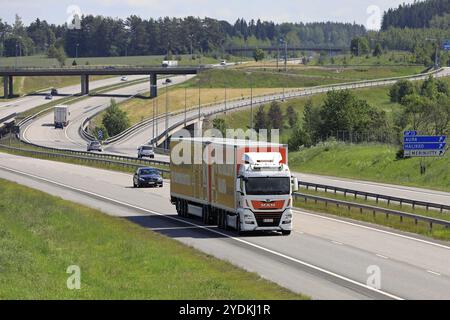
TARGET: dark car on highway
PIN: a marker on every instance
(147, 177)
(54, 92)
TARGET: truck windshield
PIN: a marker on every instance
(268, 186)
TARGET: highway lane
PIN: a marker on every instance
(28, 102)
(42, 132)
(325, 257)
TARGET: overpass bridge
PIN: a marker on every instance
(84, 72)
(275, 48)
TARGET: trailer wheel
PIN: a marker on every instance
(220, 219)
(186, 209)
(225, 222)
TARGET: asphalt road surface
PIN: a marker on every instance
(325, 258)
(28, 102)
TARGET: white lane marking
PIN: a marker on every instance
(434, 273)
(381, 256)
(374, 229)
(282, 255)
(338, 243)
(174, 229)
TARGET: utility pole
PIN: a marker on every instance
(185, 106)
(225, 86)
(76, 50)
(154, 118)
(436, 58)
(167, 117)
(285, 56)
(199, 109)
(251, 99)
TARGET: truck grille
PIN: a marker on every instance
(261, 217)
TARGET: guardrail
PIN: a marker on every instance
(9, 117)
(374, 210)
(377, 197)
(89, 158)
(141, 162)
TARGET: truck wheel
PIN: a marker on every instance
(225, 222)
(184, 209)
(286, 233)
(238, 226)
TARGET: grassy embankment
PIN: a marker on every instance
(41, 236)
(238, 82)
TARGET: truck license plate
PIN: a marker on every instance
(268, 220)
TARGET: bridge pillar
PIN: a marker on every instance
(153, 85)
(85, 84)
(5, 87)
(10, 87)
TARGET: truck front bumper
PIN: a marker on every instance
(256, 222)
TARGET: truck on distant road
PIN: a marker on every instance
(170, 63)
(61, 116)
(238, 184)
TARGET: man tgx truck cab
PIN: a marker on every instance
(236, 184)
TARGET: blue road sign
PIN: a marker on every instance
(424, 153)
(410, 133)
(447, 45)
(425, 139)
(425, 146)
(100, 134)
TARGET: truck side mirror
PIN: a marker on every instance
(294, 184)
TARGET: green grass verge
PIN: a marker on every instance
(41, 236)
(295, 77)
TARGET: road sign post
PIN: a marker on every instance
(415, 146)
(100, 134)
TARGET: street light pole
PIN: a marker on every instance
(76, 51)
(225, 86)
(436, 63)
(167, 117)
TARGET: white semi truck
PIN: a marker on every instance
(61, 116)
(238, 184)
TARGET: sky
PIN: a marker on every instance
(366, 12)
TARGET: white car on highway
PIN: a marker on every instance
(146, 152)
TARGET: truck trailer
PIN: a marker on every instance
(235, 184)
(61, 116)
